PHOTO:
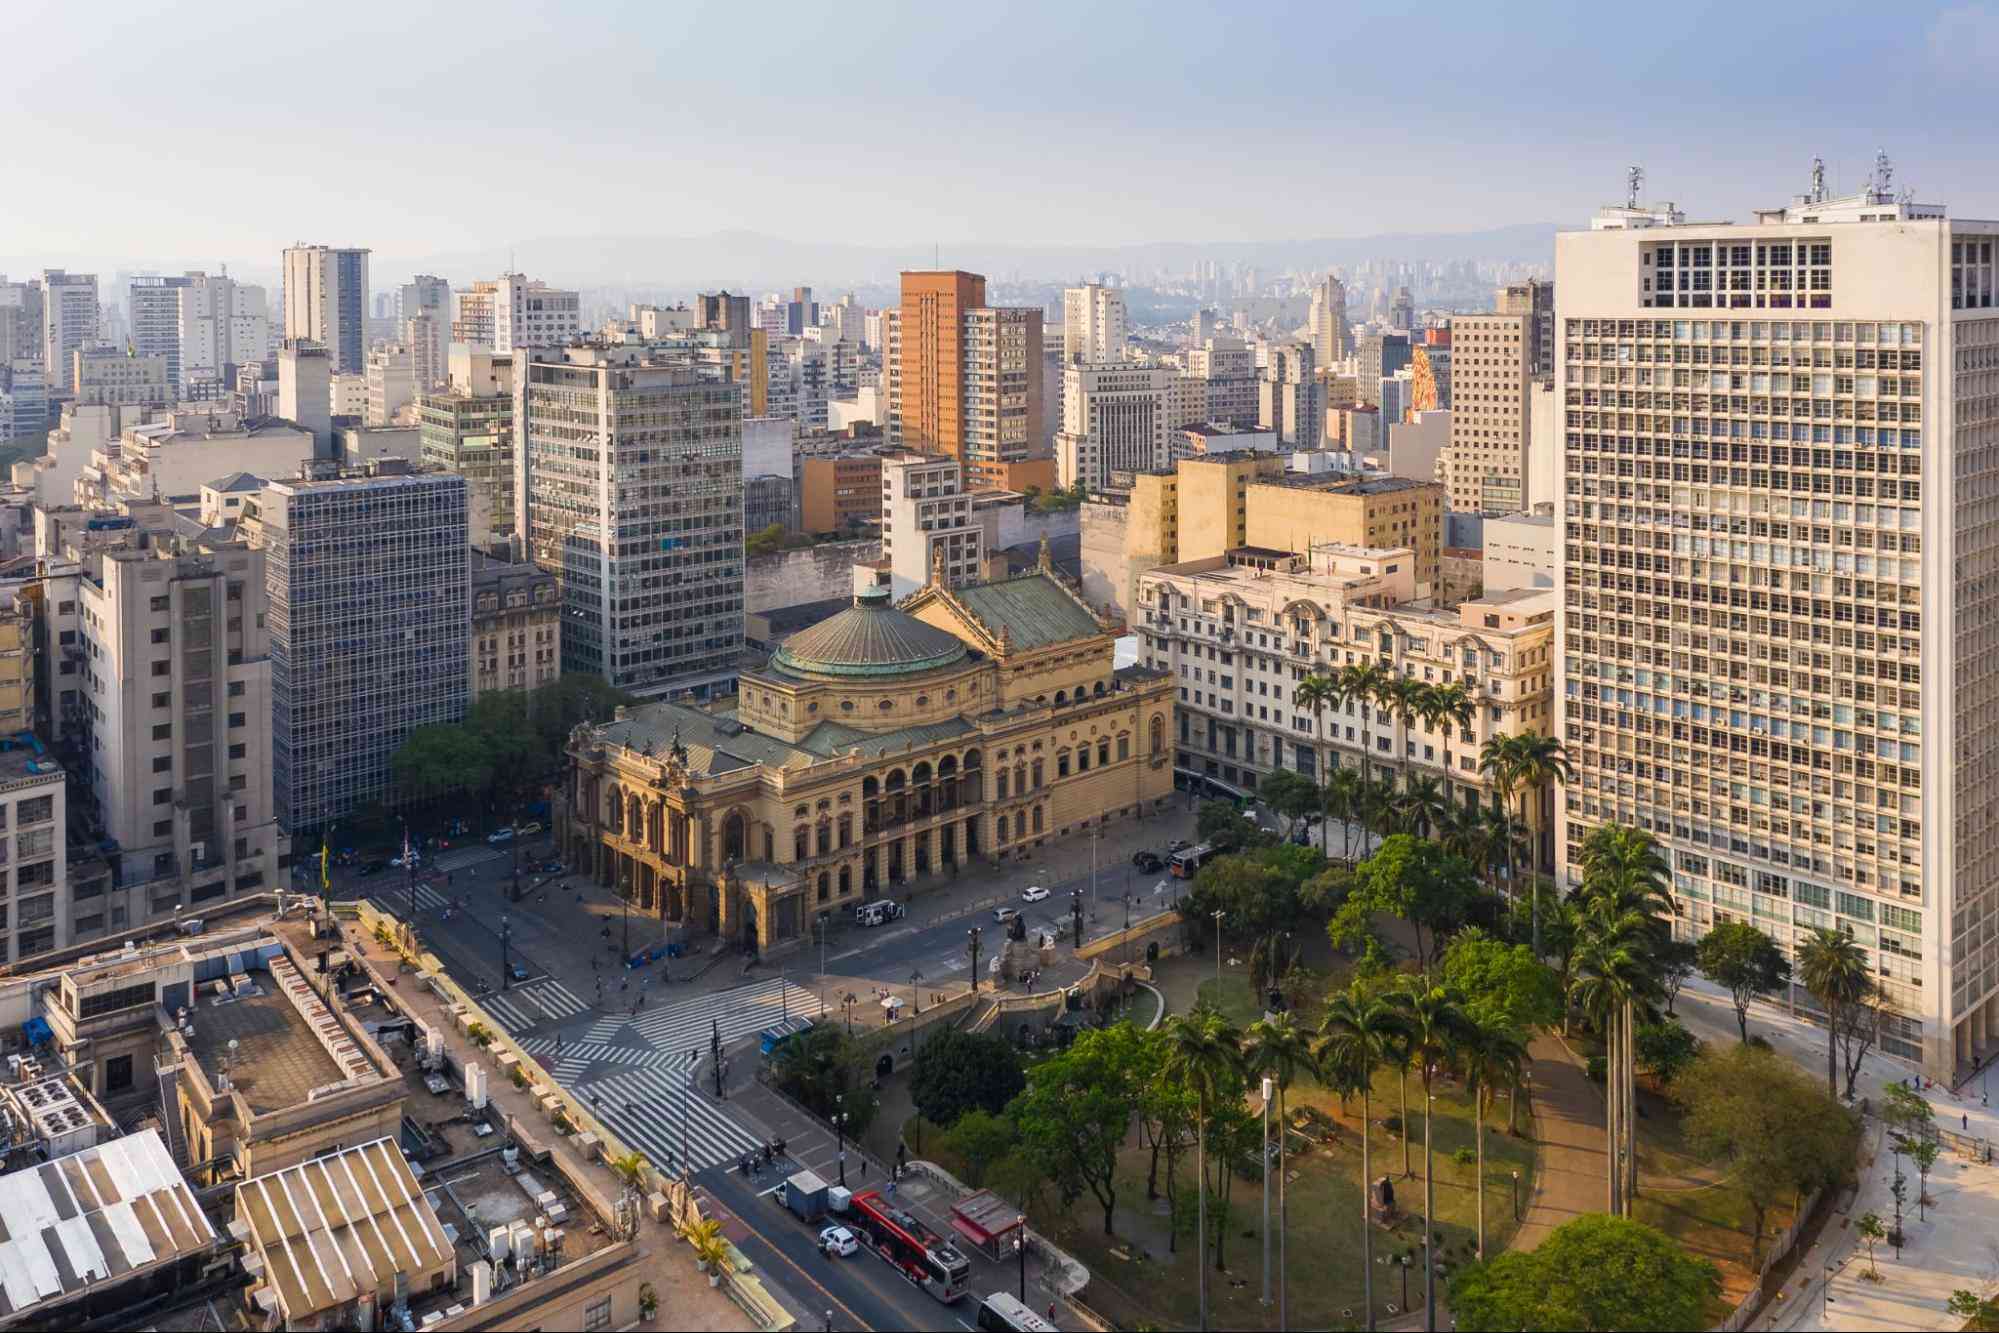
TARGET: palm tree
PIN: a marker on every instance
(1463, 834)
(1403, 700)
(1423, 805)
(629, 1168)
(1361, 684)
(1436, 1024)
(1530, 763)
(1354, 1036)
(1276, 1048)
(1834, 970)
(1342, 796)
(1378, 815)
(1452, 707)
(1202, 1054)
(1492, 1056)
(1496, 761)
(1316, 692)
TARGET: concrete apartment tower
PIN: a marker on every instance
(305, 391)
(1094, 325)
(154, 306)
(928, 531)
(629, 489)
(370, 629)
(1330, 340)
(326, 300)
(1492, 370)
(965, 379)
(1779, 575)
(222, 324)
(69, 323)
(423, 304)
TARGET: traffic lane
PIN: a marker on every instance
(862, 1291)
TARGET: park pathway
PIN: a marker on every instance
(1568, 1119)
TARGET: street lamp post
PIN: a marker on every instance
(915, 999)
(1219, 914)
(687, 1097)
(1403, 1261)
(1020, 1252)
(1267, 1092)
(973, 935)
(849, 1000)
(840, 1133)
(506, 963)
(1516, 1196)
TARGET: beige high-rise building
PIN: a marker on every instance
(1779, 576)
(1492, 369)
(1331, 340)
(69, 323)
(1093, 325)
(965, 379)
(1534, 298)
(114, 377)
(326, 300)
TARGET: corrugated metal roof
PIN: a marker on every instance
(92, 1216)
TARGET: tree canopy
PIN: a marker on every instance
(1742, 958)
(1596, 1273)
(1078, 1108)
(959, 1071)
(508, 742)
(1414, 879)
(1503, 984)
(1259, 890)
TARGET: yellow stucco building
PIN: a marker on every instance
(881, 744)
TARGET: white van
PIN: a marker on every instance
(879, 912)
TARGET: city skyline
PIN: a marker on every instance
(629, 116)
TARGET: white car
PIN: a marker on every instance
(1034, 894)
(498, 836)
(1005, 914)
(838, 1241)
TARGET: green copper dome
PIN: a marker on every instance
(868, 639)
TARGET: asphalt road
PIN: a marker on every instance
(861, 1291)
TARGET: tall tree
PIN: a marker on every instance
(1354, 1039)
(1747, 962)
(1592, 1273)
(1419, 882)
(1435, 1024)
(1834, 969)
(1402, 699)
(1077, 1111)
(1203, 1054)
(1424, 805)
(1291, 795)
(1492, 1056)
(1277, 1049)
(1362, 684)
(1525, 766)
(961, 1071)
(1316, 693)
(1342, 796)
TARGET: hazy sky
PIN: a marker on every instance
(220, 130)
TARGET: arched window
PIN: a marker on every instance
(1124, 747)
(846, 881)
(1062, 764)
(1000, 794)
(825, 885)
(735, 837)
(825, 836)
(1099, 690)
(1061, 696)
(1037, 819)
(1103, 752)
(1158, 734)
(800, 843)
(846, 834)
(1019, 824)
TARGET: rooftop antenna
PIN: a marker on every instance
(1884, 171)
(1818, 180)
(1634, 181)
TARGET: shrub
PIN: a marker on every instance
(1465, 1157)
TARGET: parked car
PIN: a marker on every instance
(552, 868)
(838, 1241)
(518, 972)
(1177, 845)
(1034, 893)
(532, 826)
(1005, 914)
(500, 835)
(415, 859)
(1148, 862)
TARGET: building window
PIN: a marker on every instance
(118, 1075)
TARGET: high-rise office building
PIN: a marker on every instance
(113, 377)
(305, 390)
(426, 298)
(1094, 325)
(1535, 299)
(370, 629)
(1380, 356)
(221, 324)
(69, 321)
(1331, 340)
(1485, 467)
(629, 488)
(20, 321)
(153, 305)
(929, 534)
(1115, 418)
(721, 310)
(326, 300)
(467, 427)
(1779, 570)
(965, 379)
(1289, 399)
(1402, 311)
(533, 314)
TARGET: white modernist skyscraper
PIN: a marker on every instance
(154, 304)
(1330, 339)
(69, 322)
(326, 300)
(223, 323)
(1780, 581)
(1094, 325)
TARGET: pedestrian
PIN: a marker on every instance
(1967, 1122)
(864, 1166)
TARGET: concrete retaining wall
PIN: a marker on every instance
(814, 574)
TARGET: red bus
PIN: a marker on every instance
(1187, 862)
(932, 1264)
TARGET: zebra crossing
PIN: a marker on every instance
(634, 1070)
(525, 1006)
(396, 902)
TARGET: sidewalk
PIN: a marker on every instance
(1956, 1246)
(1568, 1124)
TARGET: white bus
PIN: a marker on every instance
(1001, 1313)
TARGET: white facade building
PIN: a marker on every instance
(1094, 325)
(154, 307)
(326, 300)
(1780, 574)
(423, 304)
(69, 323)
(221, 323)
(533, 314)
(928, 530)
(1116, 417)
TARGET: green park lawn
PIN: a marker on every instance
(1137, 1279)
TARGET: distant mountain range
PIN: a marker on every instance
(758, 262)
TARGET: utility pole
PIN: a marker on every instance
(1219, 914)
(409, 875)
(1266, 1191)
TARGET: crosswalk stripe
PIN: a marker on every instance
(654, 1121)
(510, 1017)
